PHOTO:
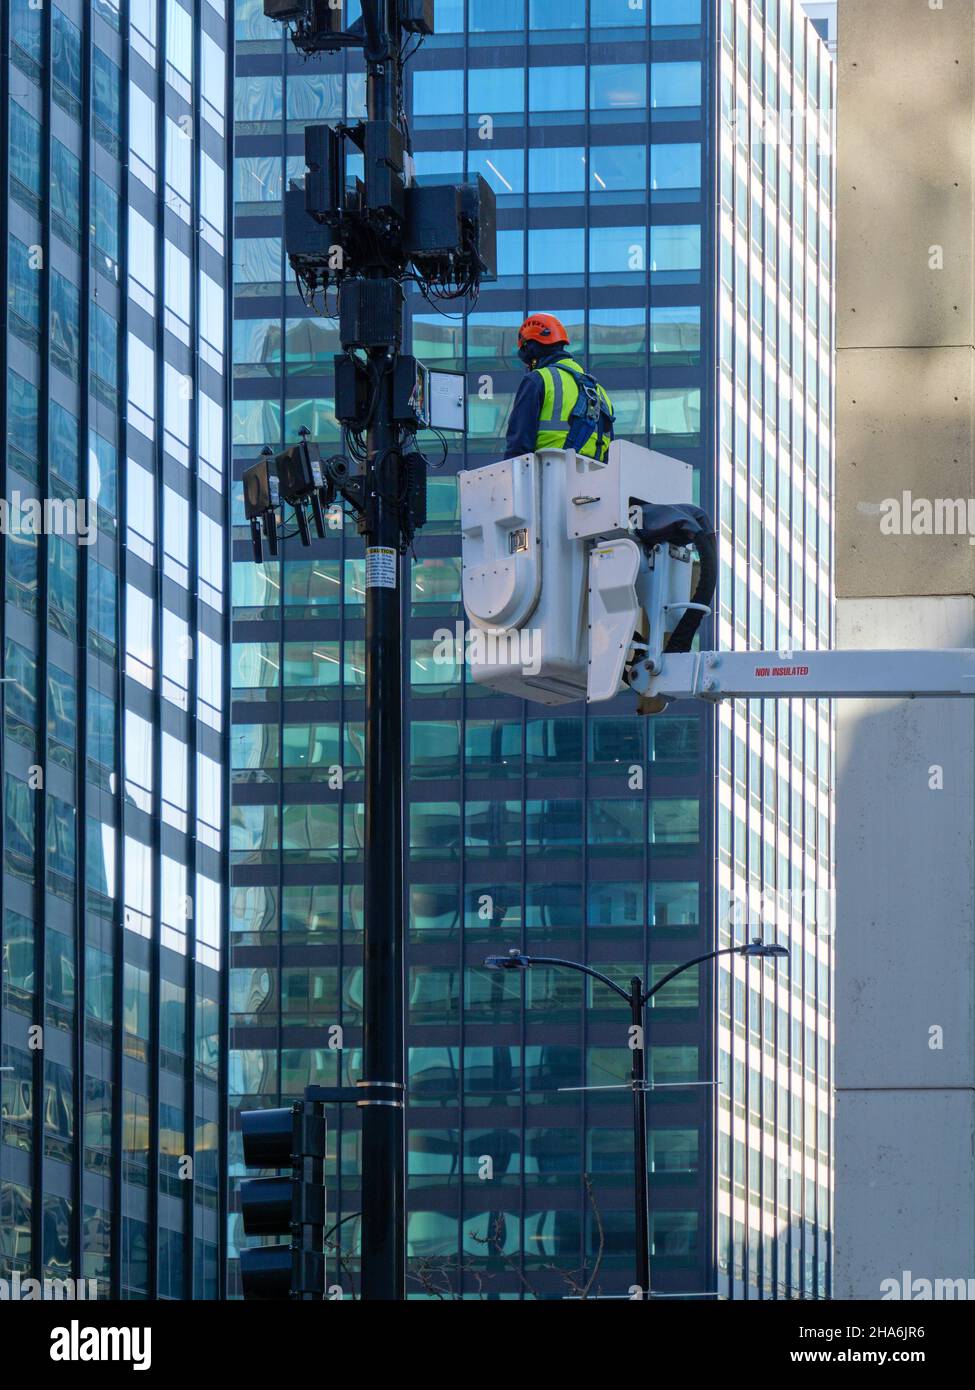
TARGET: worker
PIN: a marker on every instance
(557, 405)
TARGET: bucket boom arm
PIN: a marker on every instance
(756, 675)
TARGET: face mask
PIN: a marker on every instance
(529, 353)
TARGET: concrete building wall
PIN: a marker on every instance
(905, 823)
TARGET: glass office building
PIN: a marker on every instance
(653, 192)
(115, 617)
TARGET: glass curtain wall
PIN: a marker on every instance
(589, 835)
(114, 395)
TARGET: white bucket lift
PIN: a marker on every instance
(570, 595)
(553, 581)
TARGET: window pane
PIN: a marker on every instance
(616, 86)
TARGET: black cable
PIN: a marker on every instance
(443, 444)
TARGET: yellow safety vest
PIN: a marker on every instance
(561, 394)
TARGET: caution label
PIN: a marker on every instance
(381, 567)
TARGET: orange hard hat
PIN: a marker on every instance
(542, 328)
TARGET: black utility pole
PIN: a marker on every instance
(383, 1129)
(364, 238)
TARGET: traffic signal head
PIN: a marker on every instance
(299, 471)
(291, 1204)
(260, 488)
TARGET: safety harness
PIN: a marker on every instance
(592, 413)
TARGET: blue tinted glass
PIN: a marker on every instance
(557, 89)
(675, 332)
(66, 53)
(104, 345)
(504, 170)
(258, 99)
(675, 84)
(251, 23)
(557, 14)
(101, 727)
(675, 166)
(25, 27)
(557, 170)
(438, 93)
(493, 15)
(613, 14)
(105, 98)
(450, 16)
(615, 86)
(617, 167)
(105, 216)
(65, 314)
(511, 253)
(25, 148)
(22, 414)
(675, 12)
(23, 296)
(63, 442)
(495, 89)
(103, 469)
(675, 248)
(617, 250)
(66, 186)
(556, 251)
(257, 260)
(434, 164)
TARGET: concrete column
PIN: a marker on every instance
(905, 791)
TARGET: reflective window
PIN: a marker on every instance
(142, 134)
(605, 14)
(620, 250)
(556, 89)
(66, 62)
(617, 167)
(495, 90)
(617, 85)
(557, 170)
(105, 217)
(437, 93)
(675, 335)
(675, 168)
(65, 324)
(488, 16)
(675, 251)
(25, 156)
(105, 78)
(675, 85)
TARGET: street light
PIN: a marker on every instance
(637, 997)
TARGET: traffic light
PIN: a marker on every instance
(292, 1204)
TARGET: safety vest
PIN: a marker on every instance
(577, 412)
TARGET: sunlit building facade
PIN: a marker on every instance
(692, 265)
(114, 397)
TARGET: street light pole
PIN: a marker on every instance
(637, 998)
(638, 1074)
